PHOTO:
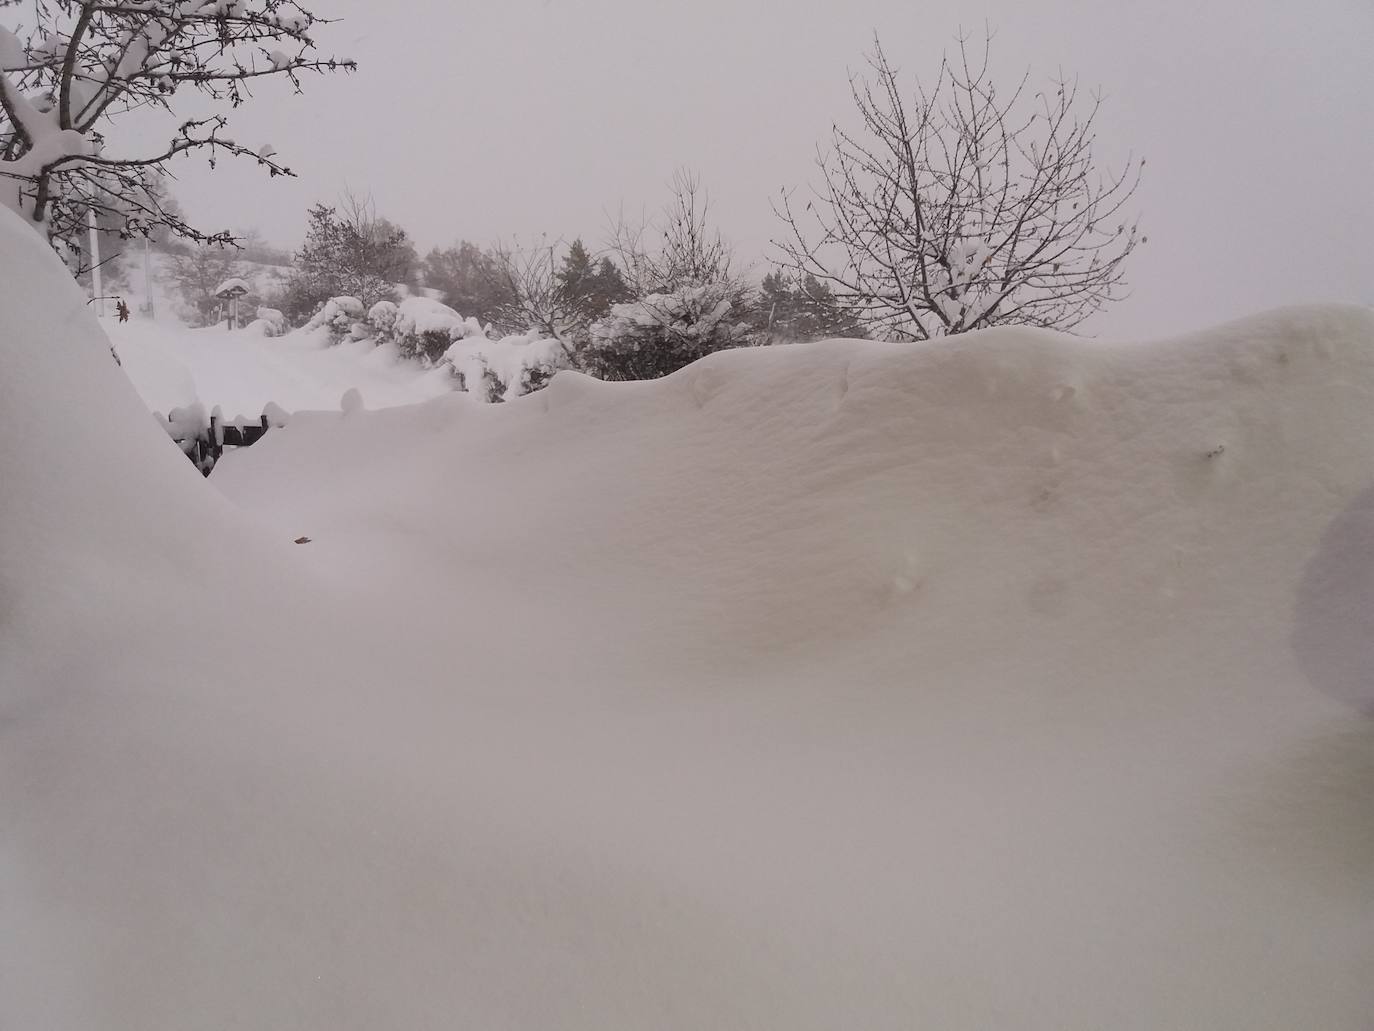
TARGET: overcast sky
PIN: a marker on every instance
(509, 119)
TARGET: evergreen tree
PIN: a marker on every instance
(577, 277)
(611, 287)
(791, 310)
(589, 287)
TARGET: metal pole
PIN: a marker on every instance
(96, 286)
(147, 280)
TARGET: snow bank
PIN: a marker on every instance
(908, 685)
(992, 682)
(91, 484)
(154, 363)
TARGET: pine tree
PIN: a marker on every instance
(577, 277)
(588, 287)
(792, 311)
(611, 287)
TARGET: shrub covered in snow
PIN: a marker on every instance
(427, 331)
(382, 318)
(342, 316)
(423, 328)
(272, 322)
(663, 332)
(498, 370)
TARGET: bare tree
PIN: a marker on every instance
(82, 63)
(679, 249)
(961, 207)
(534, 296)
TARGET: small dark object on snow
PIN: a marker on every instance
(302, 540)
(122, 310)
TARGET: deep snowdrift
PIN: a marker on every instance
(1008, 682)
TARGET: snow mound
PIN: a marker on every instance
(912, 685)
(990, 682)
(1011, 474)
(91, 483)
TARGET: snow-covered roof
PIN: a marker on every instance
(233, 287)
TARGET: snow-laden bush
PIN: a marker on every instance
(498, 370)
(382, 318)
(423, 328)
(272, 321)
(342, 316)
(433, 334)
(663, 332)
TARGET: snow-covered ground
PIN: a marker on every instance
(1009, 681)
(243, 370)
(173, 366)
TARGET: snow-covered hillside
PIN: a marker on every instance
(1011, 681)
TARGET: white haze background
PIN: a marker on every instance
(502, 120)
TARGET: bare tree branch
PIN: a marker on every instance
(82, 63)
(958, 207)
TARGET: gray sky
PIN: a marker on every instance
(509, 119)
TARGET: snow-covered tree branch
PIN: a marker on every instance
(74, 66)
(962, 207)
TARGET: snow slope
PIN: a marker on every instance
(1013, 681)
(242, 370)
(174, 366)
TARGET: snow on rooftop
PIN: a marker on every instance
(232, 286)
